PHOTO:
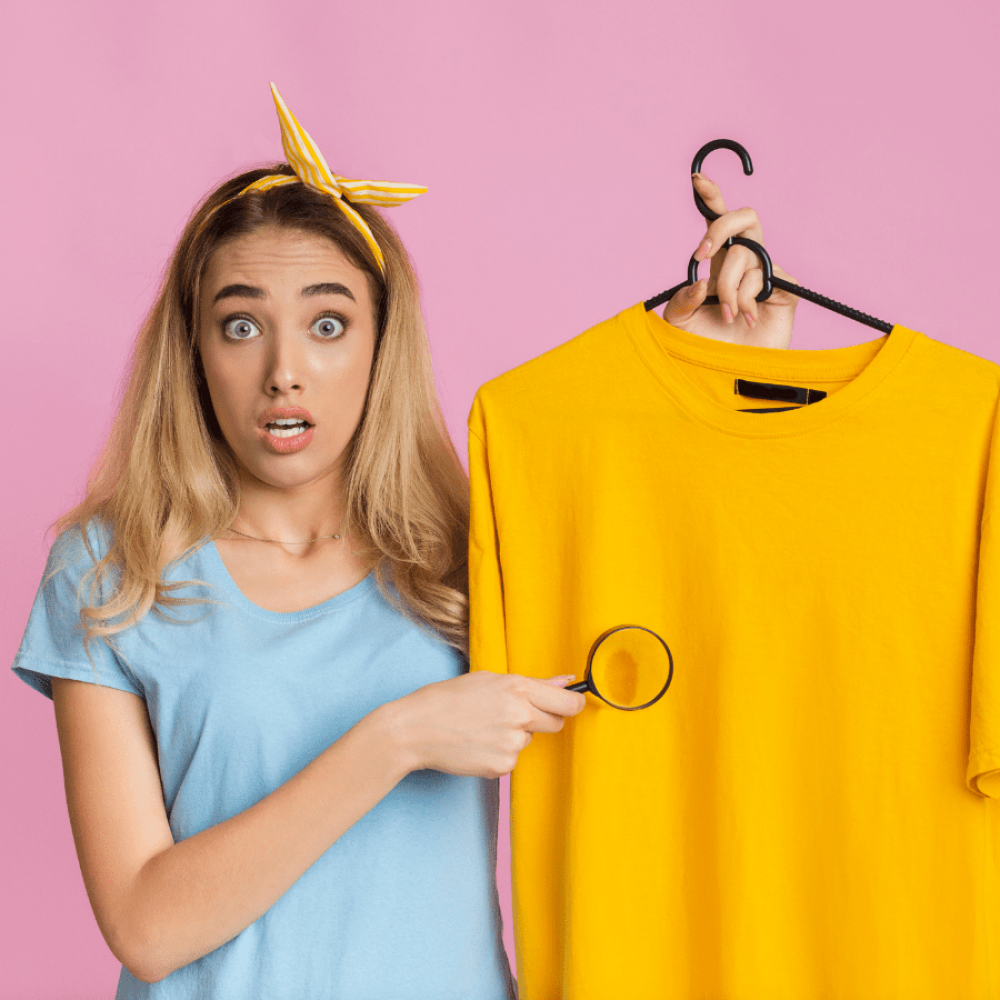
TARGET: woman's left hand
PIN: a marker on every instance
(736, 278)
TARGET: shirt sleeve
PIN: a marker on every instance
(53, 642)
(487, 621)
(984, 745)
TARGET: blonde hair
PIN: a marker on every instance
(166, 479)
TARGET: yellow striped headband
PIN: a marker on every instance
(310, 168)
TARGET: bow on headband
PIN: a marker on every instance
(310, 168)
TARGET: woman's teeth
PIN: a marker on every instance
(287, 428)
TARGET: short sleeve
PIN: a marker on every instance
(984, 744)
(53, 642)
(487, 629)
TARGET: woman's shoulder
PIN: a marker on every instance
(78, 548)
(55, 642)
(78, 575)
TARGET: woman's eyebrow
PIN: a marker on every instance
(240, 292)
(253, 292)
(329, 288)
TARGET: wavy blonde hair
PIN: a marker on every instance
(166, 479)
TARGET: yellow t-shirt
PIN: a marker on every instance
(812, 812)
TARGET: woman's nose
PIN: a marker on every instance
(285, 366)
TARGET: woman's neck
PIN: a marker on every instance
(290, 514)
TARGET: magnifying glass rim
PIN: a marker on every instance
(590, 660)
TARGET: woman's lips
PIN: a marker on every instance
(285, 445)
(285, 429)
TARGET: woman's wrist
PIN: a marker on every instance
(392, 728)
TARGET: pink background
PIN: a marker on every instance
(555, 139)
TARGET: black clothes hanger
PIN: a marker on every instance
(699, 159)
(771, 280)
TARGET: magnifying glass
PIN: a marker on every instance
(629, 667)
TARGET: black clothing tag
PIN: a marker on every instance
(779, 393)
(772, 409)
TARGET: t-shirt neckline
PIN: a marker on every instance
(659, 343)
(240, 600)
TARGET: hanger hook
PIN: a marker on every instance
(766, 267)
(699, 159)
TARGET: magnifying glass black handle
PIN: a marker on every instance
(582, 686)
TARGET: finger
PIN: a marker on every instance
(782, 273)
(779, 297)
(737, 262)
(561, 680)
(546, 722)
(546, 698)
(684, 304)
(741, 222)
(710, 193)
(750, 285)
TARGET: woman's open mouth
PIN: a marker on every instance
(285, 429)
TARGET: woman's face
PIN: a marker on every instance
(286, 332)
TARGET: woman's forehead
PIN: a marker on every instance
(281, 258)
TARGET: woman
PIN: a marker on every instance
(276, 767)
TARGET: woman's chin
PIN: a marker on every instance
(288, 471)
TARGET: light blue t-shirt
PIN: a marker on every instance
(403, 906)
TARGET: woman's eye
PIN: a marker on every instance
(328, 327)
(240, 328)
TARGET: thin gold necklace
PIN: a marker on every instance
(278, 541)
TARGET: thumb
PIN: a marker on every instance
(686, 302)
(710, 193)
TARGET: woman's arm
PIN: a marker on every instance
(160, 904)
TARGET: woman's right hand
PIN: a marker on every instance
(162, 904)
(478, 723)
(736, 278)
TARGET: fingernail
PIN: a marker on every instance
(562, 677)
(727, 313)
(751, 322)
(696, 177)
(703, 249)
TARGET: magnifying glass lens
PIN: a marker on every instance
(630, 667)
